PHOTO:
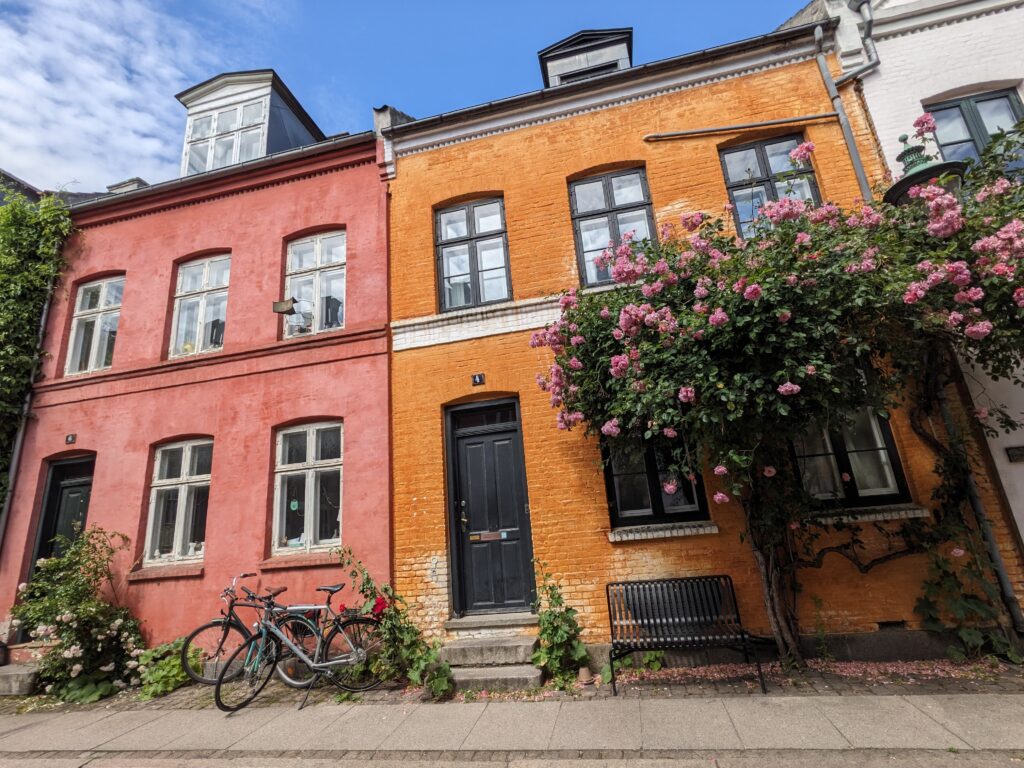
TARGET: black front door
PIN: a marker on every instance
(66, 504)
(490, 510)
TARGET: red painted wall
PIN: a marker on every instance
(237, 396)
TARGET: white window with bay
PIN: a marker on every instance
(307, 487)
(225, 137)
(179, 499)
(316, 280)
(200, 306)
(94, 327)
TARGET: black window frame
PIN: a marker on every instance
(968, 106)
(610, 213)
(770, 181)
(851, 497)
(658, 513)
(471, 238)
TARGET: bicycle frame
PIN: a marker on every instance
(343, 661)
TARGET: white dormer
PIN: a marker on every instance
(589, 53)
(241, 116)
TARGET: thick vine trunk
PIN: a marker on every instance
(779, 618)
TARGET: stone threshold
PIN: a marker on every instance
(493, 621)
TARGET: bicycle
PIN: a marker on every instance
(344, 656)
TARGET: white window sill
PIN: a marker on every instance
(661, 531)
(876, 514)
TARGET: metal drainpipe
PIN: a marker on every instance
(863, 7)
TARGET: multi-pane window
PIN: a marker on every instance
(852, 463)
(316, 280)
(472, 254)
(200, 306)
(307, 487)
(604, 209)
(94, 327)
(636, 482)
(179, 499)
(224, 137)
(964, 127)
(759, 172)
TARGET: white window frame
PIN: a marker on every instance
(216, 133)
(97, 314)
(318, 272)
(183, 483)
(309, 468)
(205, 292)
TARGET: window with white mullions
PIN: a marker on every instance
(200, 306)
(759, 172)
(636, 479)
(472, 254)
(307, 487)
(94, 327)
(604, 209)
(224, 137)
(179, 500)
(964, 127)
(316, 280)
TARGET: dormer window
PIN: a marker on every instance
(587, 54)
(225, 137)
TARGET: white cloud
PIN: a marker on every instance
(87, 90)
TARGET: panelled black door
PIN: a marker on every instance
(491, 513)
(66, 504)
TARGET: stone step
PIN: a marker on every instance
(489, 651)
(507, 677)
(18, 679)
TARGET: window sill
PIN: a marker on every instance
(661, 531)
(301, 560)
(876, 514)
(171, 571)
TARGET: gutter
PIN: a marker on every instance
(864, 8)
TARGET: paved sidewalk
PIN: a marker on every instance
(515, 731)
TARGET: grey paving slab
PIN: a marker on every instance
(511, 726)
(983, 721)
(610, 724)
(365, 726)
(9, 723)
(296, 729)
(217, 730)
(687, 724)
(49, 762)
(91, 735)
(62, 732)
(782, 722)
(878, 722)
(157, 733)
(436, 727)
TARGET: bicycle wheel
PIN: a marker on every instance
(359, 641)
(291, 670)
(256, 660)
(209, 646)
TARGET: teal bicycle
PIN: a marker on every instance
(343, 653)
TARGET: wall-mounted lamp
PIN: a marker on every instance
(920, 168)
(285, 306)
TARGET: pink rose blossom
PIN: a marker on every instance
(924, 124)
(789, 388)
(978, 331)
(670, 487)
(981, 414)
(670, 433)
(845, 477)
(718, 317)
(687, 394)
(784, 316)
(786, 209)
(957, 552)
(752, 293)
(620, 364)
(802, 238)
(720, 498)
(691, 221)
(605, 313)
(611, 427)
(802, 153)
(792, 279)
(721, 470)
(770, 471)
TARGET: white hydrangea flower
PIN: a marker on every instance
(107, 667)
(76, 670)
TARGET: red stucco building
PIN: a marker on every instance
(176, 406)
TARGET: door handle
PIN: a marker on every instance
(462, 515)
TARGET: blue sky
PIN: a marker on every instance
(95, 79)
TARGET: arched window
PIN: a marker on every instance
(179, 499)
(200, 305)
(94, 326)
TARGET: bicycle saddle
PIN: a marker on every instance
(275, 591)
(331, 589)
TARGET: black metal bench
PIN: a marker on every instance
(676, 614)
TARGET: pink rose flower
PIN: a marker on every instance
(978, 331)
(721, 470)
(718, 317)
(752, 293)
(957, 552)
(811, 370)
(802, 153)
(687, 394)
(720, 498)
(924, 124)
(611, 428)
(670, 433)
(981, 414)
(784, 316)
(802, 238)
(845, 477)
(789, 388)
(770, 471)
(670, 487)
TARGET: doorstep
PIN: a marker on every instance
(493, 621)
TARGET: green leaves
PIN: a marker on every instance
(161, 671)
(560, 652)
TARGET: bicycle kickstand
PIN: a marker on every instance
(312, 685)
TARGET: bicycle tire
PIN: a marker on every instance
(254, 675)
(361, 634)
(292, 671)
(221, 648)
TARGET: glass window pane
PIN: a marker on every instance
(748, 201)
(964, 151)
(214, 319)
(301, 255)
(169, 463)
(457, 292)
(493, 285)
(223, 149)
(873, 473)
(201, 460)
(332, 249)
(202, 127)
(490, 254)
(632, 494)
(219, 273)
(996, 114)
(227, 120)
(293, 511)
(108, 335)
(778, 155)
(328, 506)
(595, 234)
(455, 260)
(249, 145)
(635, 222)
(683, 500)
(820, 477)
(487, 218)
(252, 113)
(301, 289)
(197, 155)
(742, 166)
(797, 188)
(166, 518)
(113, 294)
(328, 443)
(187, 327)
(81, 344)
(627, 189)
(589, 196)
(293, 448)
(950, 125)
(594, 273)
(812, 443)
(190, 277)
(864, 432)
(453, 224)
(197, 504)
(332, 299)
(89, 297)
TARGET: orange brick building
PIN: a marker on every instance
(495, 210)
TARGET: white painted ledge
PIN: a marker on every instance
(463, 324)
(876, 514)
(661, 531)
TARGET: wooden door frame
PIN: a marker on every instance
(456, 556)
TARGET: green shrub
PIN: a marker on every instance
(161, 671)
(561, 652)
